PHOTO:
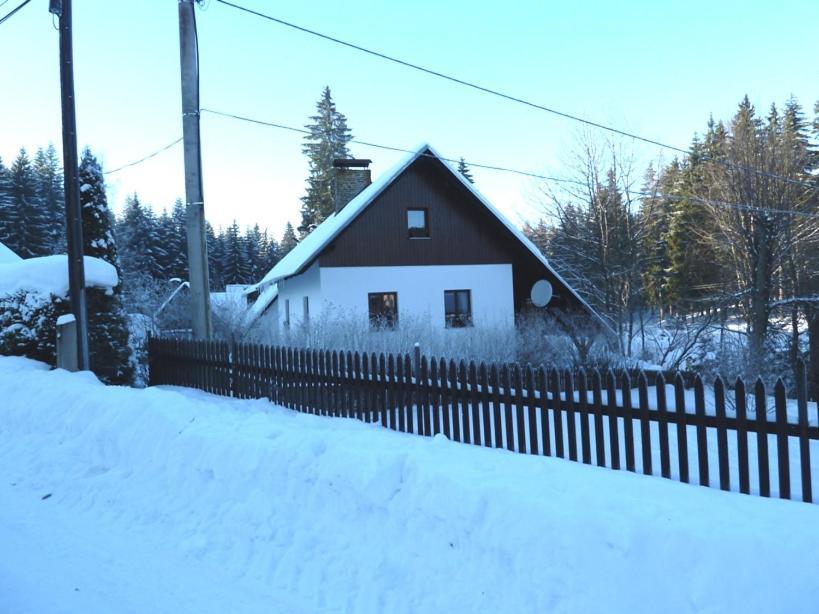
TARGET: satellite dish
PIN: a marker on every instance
(541, 293)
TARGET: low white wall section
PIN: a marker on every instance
(421, 290)
(295, 289)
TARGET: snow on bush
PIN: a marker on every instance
(49, 275)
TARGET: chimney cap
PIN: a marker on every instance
(351, 163)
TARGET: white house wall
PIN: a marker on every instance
(421, 290)
(295, 289)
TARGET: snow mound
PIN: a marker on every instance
(242, 506)
(7, 256)
(49, 275)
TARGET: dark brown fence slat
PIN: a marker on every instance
(425, 393)
(408, 411)
(662, 426)
(614, 437)
(702, 435)
(682, 426)
(436, 397)
(463, 396)
(451, 430)
(474, 396)
(571, 415)
(782, 453)
(597, 409)
(645, 425)
(531, 409)
(628, 421)
(804, 441)
(742, 437)
(356, 387)
(391, 390)
(585, 440)
(722, 434)
(385, 385)
(506, 385)
(544, 411)
(486, 402)
(557, 413)
(761, 419)
(517, 383)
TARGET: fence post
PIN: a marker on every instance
(234, 383)
(67, 343)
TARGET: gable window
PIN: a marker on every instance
(287, 313)
(417, 223)
(383, 308)
(458, 308)
(305, 311)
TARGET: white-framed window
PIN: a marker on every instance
(418, 223)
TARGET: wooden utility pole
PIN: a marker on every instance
(71, 182)
(195, 205)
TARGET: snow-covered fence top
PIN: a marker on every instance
(49, 275)
(754, 444)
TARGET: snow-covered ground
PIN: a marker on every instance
(170, 500)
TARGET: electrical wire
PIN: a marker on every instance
(673, 198)
(8, 15)
(141, 160)
(509, 97)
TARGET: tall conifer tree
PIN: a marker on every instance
(327, 140)
(108, 324)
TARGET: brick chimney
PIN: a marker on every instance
(350, 177)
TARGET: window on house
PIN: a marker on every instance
(458, 308)
(305, 311)
(417, 223)
(383, 307)
(287, 313)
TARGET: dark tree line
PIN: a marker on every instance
(155, 246)
(731, 230)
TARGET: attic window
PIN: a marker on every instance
(417, 224)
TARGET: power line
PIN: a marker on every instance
(509, 97)
(141, 160)
(389, 147)
(672, 197)
(8, 15)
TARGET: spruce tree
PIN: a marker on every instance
(32, 236)
(463, 169)
(327, 140)
(235, 269)
(288, 242)
(51, 192)
(139, 242)
(215, 255)
(108, 324)
(8, 213)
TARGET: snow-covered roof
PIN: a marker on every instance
(310, 247)
(49, 275)
(266, 298)
(7, 256)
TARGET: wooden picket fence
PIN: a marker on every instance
(587, 416)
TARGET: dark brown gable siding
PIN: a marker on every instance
(461, 230)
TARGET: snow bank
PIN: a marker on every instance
(7, 256)
(168, 500)
(49, 275)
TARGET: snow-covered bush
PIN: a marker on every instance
(28, 324)
(536, 339)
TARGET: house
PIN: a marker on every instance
(420, 241)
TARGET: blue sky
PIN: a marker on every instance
(657, 69)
